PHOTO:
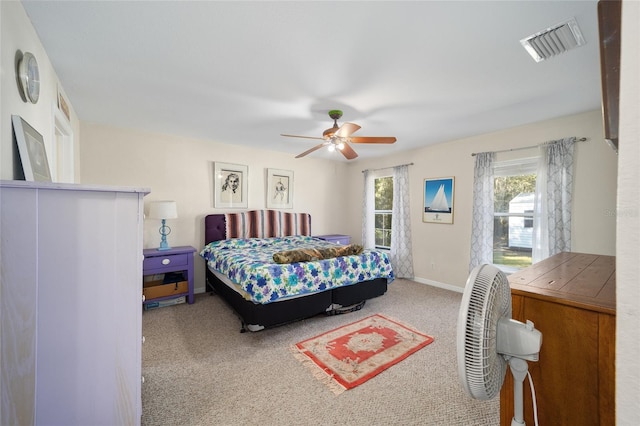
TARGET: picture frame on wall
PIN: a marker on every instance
(230, 182)
(63, 106)
(33, 154)
(279, 189)
(438, 200)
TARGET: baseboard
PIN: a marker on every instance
(433, 283)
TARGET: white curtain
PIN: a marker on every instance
(368, 219)
(554, 187)
(401, 251)
(482, 219)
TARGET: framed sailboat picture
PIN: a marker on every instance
(438, 200)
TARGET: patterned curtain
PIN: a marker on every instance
(482, 219)
(401, 250)
(368, 220)
(554, 186)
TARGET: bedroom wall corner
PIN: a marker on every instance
(17, 34)
(441, 252)
(181, 169)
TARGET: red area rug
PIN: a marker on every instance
(352, 354)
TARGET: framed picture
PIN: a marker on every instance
(63, 106)
(32, 152)
(279, 189)
(438, 200)
(230, 185)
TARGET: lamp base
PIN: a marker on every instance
(164, 231)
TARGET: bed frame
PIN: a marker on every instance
(255, 316)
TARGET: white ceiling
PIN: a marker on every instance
(245, 72)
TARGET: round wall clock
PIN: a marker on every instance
(29, 76)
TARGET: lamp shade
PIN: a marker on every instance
(163, 210)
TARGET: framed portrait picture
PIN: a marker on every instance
(279, 189)
(230, 185)
(438, 200)
(32, 151)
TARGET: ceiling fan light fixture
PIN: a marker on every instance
(339, 138)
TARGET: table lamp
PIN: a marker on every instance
(163, 210)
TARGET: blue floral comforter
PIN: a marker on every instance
(249, 263)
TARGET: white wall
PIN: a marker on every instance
(628, 260)
(17, 34)
(181, 169)
(446, 247)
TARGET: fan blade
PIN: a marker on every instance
(373, 139)
(309, 151)
(306, 137)
(348, 152)
(346, 130)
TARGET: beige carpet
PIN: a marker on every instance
(200, 370)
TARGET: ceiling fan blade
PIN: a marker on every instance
(306, 137)
(348, 152)
(309, 151)
(373, 139)
(346, 130)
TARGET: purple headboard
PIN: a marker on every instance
(255, 224)
(214, 228)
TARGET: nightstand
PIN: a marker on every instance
(176, 260)
(335, 238)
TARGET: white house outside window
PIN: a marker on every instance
(383, 211)
(514, 201)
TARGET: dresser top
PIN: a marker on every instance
(577, 279)
(69, 186)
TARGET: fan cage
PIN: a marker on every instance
(489, 300)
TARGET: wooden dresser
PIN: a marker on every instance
(571, 298)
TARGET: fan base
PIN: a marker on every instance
(335, 114)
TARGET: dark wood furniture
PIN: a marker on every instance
(609, 27)
(570, 297)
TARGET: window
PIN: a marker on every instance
(528, 218)
(383, 187)
(514, 193)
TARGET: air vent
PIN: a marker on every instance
(554, 41)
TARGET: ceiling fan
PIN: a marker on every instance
(339, 137)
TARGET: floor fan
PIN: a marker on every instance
(488, 339)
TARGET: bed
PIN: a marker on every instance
(264, 293)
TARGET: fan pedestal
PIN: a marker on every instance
(485, 329)
(519, 369)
